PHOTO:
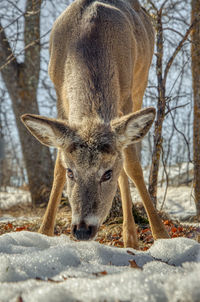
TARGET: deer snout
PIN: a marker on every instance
(82, 231)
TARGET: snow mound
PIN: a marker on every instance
(34, 267)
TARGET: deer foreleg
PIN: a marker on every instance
(48, 222)
(129, 228)
(134, 171)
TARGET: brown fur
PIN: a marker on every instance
(100, 54)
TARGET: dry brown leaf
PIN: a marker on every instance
(133, 264)
(100, 273)
(103, 273)
(131, 253)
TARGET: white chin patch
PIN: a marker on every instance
(89, 220)
(76, 219)
(92, 220)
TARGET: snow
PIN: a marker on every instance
(13, 196)
(179, 203)
(40, 268)
(34, 267)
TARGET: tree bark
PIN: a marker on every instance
(21, 81)
(161, 104)
(162, 74)
(195, 53)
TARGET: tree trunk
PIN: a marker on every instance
(195, 52)
(157, 146)
(162, 74)
(21, 81)
(1, 155)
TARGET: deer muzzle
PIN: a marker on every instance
(82, 231)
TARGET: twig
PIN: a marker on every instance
(176, 107)
(167, 179)
(185, 139)
(153, 5)
(178, 48)
(13, 57)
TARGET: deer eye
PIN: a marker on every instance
(70, 173)
(106, 176)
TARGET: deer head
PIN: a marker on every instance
(92, 154)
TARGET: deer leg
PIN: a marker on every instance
(48, 222)
(129, 228)
(134, 171)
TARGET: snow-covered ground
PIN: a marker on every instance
(179, 203)
(34, 267)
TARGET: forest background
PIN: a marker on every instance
(173, 89)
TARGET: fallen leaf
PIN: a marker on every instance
(145, 248)
(54, 281)
(10, 226)
(131, 253)
(104, 273)
(145, 230)
(174, 229)
(19, 229)
(133, 264)
(118, 243)
(100, 273)
(49, 280)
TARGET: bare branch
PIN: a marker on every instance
(176, 107)
(175, 31)
(15, 6)
(10, 58)
(153, 5)
(167, 179)
(15, 20)
(178, 48)
(6, 54)
(162, 6)
(184, 137)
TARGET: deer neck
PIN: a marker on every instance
(92, 89)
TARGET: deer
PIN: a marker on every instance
(100, 55)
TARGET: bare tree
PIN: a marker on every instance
(1, 146)
(21, 81)
(195, 52)
(162, 13)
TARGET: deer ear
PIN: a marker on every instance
(48, 131)
(133, 127)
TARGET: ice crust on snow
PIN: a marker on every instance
(170, 270)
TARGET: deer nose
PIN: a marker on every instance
(83, 231)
